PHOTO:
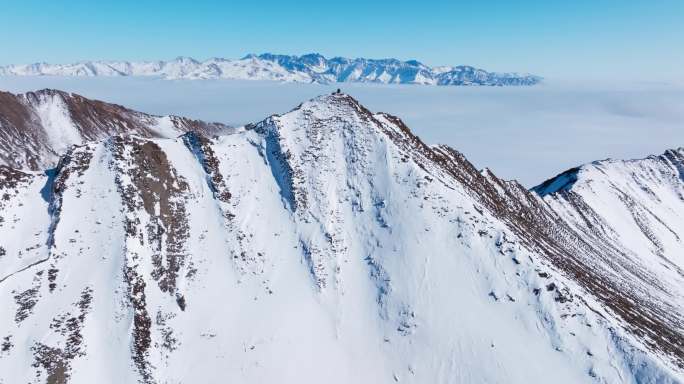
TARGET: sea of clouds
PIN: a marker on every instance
(523, 133)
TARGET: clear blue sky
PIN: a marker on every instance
(642, 39)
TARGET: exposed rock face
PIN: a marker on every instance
(328, 244)
(37, 127)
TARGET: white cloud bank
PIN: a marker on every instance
(524, 133)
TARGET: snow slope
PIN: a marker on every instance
(328, 244)
(37, 127)
(636, 206)
(306, 68)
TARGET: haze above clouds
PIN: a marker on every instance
(523, 133)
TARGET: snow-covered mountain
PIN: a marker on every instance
(307, 68)
(37, 127)
(636, 206)
(635, 202)
(327, 244)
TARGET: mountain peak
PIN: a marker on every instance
(606, 169)
(316, 113)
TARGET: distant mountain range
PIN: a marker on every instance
(310, 68)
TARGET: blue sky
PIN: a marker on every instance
(641, 40)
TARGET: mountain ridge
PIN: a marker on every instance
(37, 127)
(556, 183)
(309, 68)
(329, 234)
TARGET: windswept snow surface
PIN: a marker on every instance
(327, 244)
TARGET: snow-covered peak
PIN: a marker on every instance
(316, 114)
(323, 137)
(338, 104)
(655, 169)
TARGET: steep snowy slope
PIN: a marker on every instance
(636, 206)
(640, 203)
(328, 244)
(306, 68)
(37, 127)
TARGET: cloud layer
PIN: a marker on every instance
(527, 133)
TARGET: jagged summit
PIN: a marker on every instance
(329, 234)
(334, 111)
(318, 130)
(306, 68)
